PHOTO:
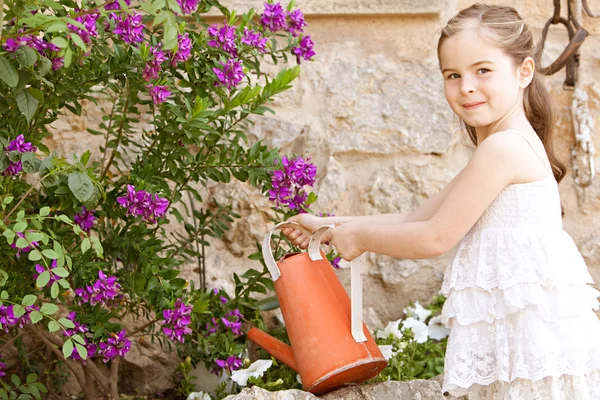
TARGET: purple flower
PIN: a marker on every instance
(129, 27)
(7, 317)
(144, 204)
(85, 219)
(89, 21)
(288, 183)
(24, 249)
(184, 49)
(223, 38)
(57, 63)
(297, 23)
(231, 364)
(115, 5)
(235, 325)
(41, 269)
(230, 73)
(2, 366)
(223, 298)
(80, 329)
(255, 39)
(304, 49)
(103, 290)
(153, 66)
(176, 320)
(212, 326)
(159, 93)
(335, 263)
(13, 44)
(188, 6)
(116, 345)
(273, 18)
(18, 144)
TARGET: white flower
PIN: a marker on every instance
(256, 369)
(387, 351)
(437, 330)
(418, 311)
(391, 328)
(199, 396)
(419, 329)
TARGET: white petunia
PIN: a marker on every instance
(419, 329)
(418, 312)
(199, 396)
(391, 328)
(387, 351)
(437, 330)
(256, 369)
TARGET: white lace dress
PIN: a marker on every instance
(519, 304)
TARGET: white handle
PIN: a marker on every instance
(314, 254)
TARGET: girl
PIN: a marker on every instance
(518, 301)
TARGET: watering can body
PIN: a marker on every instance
(317, 313)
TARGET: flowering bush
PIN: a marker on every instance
(85, 240)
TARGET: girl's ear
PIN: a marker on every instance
(526, 72)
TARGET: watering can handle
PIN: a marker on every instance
(314, 254)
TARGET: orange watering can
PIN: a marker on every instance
(330, 345)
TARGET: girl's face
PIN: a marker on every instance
(481, 83)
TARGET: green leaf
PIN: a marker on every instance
(8, 73)
(28, 300)
(20, 226)
(97, 246)
(4, 161)
(35, 316)
(4, 295)
(68, 348)
(53, 326)
(26, 56)
(49, 253)
(43, 279)
(78, 41)
(54, 290)
(63, 273)
(44, 211)
(67, 323)
(81, 186)
(22, 243)
(8, 199)
(60, 42)
(31, 164)
(64, 218)
(81, 350)
(34, 255)
(48, 308)
(45, 66)
(27, 104)
(85, 245)
(18, 310)
(58, 26)
(170, 35)
(3, 277)
(15, 380)
(68, 57)
(64, 283)
(32, 378)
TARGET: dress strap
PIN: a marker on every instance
(532, 147)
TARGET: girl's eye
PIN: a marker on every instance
(485, 70)
(453, 76)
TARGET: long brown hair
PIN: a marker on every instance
(504, 28)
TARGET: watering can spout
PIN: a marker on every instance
(274, 347)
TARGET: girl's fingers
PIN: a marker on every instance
(304, 245)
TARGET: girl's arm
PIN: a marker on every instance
(490, 170)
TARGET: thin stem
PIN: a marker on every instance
(110, 121)
(119, 136)
(1, 17)
(147, 324)
(114, 378)
(14, 338)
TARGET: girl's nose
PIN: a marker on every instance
(467, 86)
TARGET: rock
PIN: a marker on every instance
(256, 393)
(390, 390)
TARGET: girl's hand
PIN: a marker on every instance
(345, 239)
(308, 222)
